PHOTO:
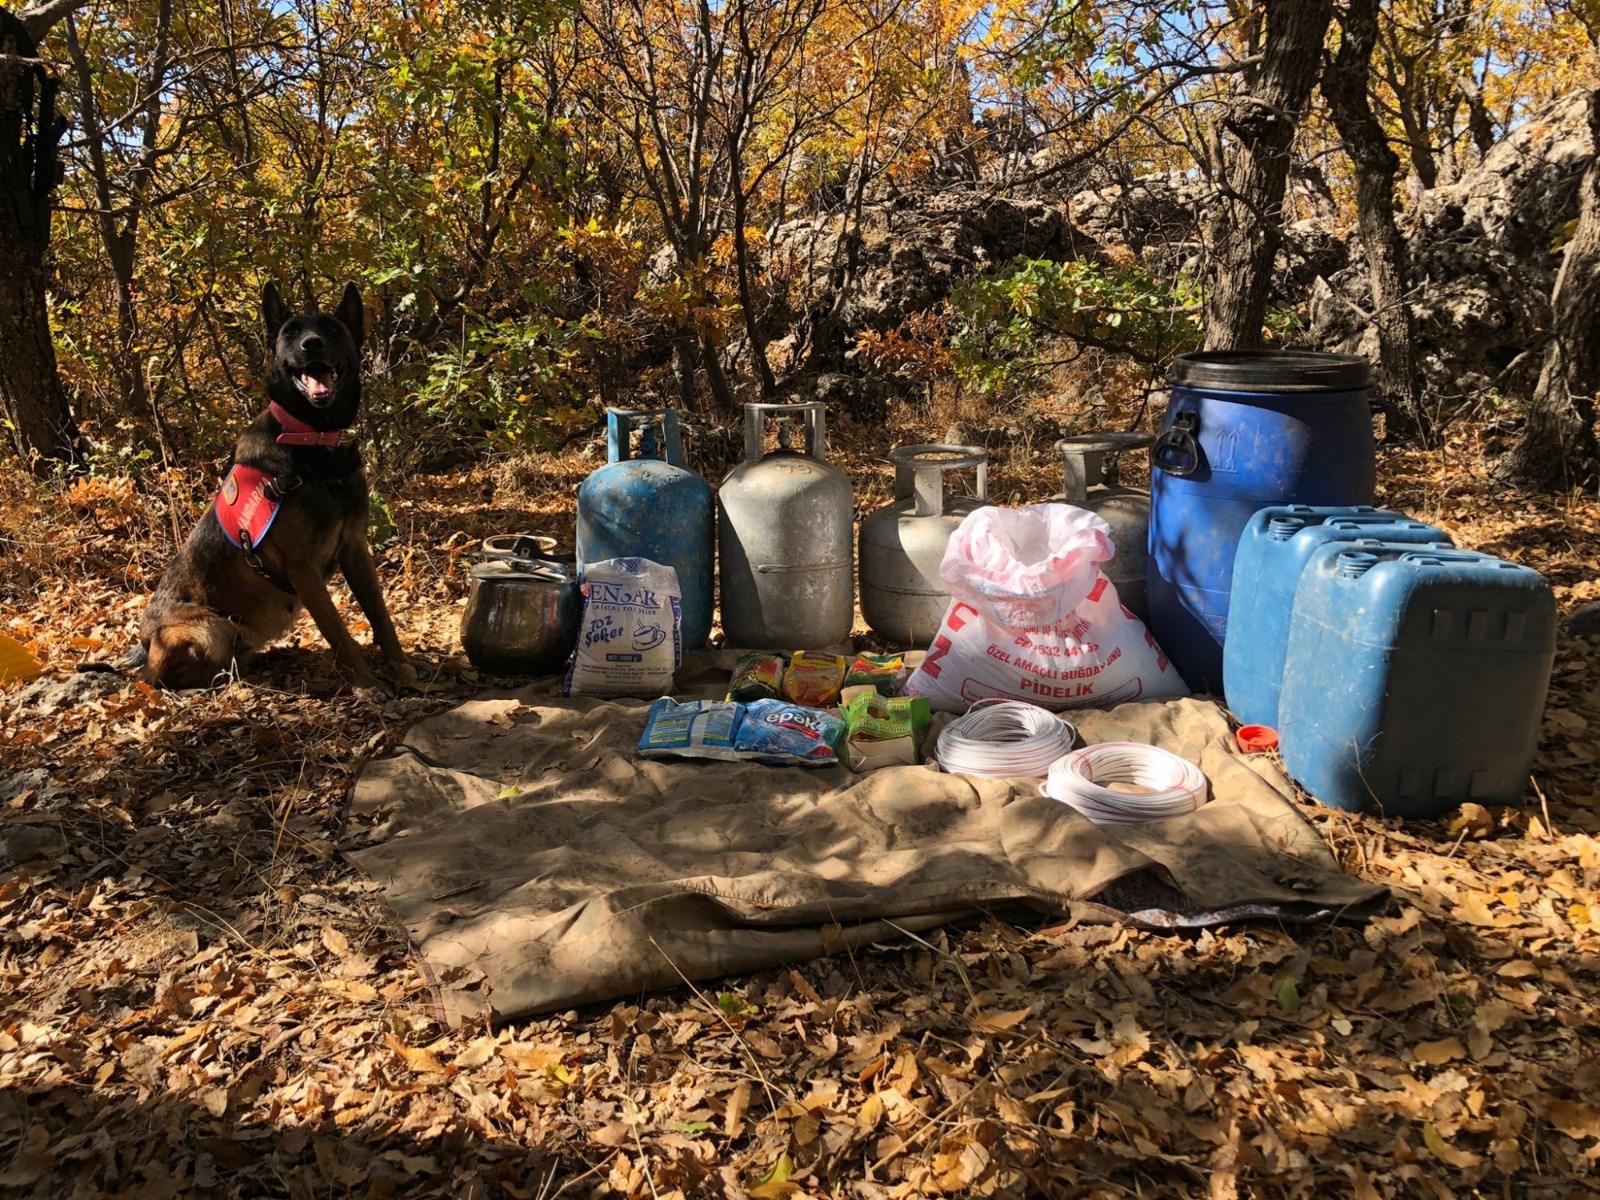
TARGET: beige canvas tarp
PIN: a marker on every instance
(538, 863)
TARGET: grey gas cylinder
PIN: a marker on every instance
(1090, 485)
(902, 544)
(787, 560)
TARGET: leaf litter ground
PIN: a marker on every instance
(198, 997)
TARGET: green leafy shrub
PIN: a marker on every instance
(1007, 324)
(513, 378)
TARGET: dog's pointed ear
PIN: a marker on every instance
(351, 313)
(275, 311)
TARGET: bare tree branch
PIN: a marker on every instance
(39, 18)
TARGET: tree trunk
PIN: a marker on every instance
(685, 363)
(1245, 230)
(119, 221)
(716, 378)
(1344, 84)
(747, 302)
(1557, 449)
(34, 403)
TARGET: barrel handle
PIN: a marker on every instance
(621, 422)
(1176, 450)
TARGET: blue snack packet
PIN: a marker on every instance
(778, 732)
(698, 729)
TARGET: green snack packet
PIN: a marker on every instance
(885, 731)
(881, 671)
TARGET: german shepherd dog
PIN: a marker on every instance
(293, 507)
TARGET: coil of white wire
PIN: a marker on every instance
(1004, 739)
(1172, 786)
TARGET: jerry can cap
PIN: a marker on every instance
(1257, 739)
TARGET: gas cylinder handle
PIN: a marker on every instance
(919, 471)
(1084, 459)
(1177, 452)
(621, 422)
(814, 413)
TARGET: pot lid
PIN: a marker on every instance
(523, 570)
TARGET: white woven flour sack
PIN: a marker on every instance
(629, 642)
(1032, 618)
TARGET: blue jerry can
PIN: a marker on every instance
(1415, 679)
(647, 507)
(1273, 550)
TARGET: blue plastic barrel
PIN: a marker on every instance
(650, 507)
(1415, 679)
(1273, 550)
(1244, 429)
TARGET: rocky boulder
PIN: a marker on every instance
(912, 251)
(1483, 260)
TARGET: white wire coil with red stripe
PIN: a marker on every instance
(1172, 786)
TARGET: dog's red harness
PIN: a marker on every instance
(247, 505)
(298, 433)
(248, 501)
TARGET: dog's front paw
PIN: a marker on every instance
(355, 671)
(376, 691)
(404, 673)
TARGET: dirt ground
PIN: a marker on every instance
(198, 997)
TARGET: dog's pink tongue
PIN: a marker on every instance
(318, 381)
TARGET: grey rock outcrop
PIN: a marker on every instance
(1483, 262)
(1483, 257)
(913, 250)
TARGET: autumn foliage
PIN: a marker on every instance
(552, 207)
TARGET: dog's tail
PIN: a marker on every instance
(131, 661)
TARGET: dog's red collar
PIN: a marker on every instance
(298, 433)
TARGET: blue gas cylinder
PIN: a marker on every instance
(1244, 429)
(1415, 678)
(1273, 550)
(652, 507)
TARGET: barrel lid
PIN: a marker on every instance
(1271, 371)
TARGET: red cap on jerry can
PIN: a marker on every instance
(1257, 739)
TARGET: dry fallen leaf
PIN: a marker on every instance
(1440, 1052)
(733, 1114)
(532, 1057)
(870, 1115)
(477, 1052)
(1474, 910)
(775, 1184)
(336, 942)
(1444, 1151)
(1472, 820)
(999, 1022)
(419, 1059)
(1575, 1119)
